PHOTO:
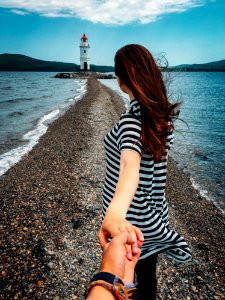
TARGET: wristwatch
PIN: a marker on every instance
(107, 277)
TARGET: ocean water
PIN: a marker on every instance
(29, 102)
(199, 147)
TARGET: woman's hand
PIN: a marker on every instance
(112, 226)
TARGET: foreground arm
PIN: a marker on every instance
(100, 293)
(114, 261)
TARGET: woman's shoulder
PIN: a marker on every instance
(128, 118)
(129, 114)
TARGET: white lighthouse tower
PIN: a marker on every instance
(84, 54)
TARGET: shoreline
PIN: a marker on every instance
(30, 137)
(201, 191)
(51, 207)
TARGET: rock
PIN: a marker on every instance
(85, 75)
(193, 288)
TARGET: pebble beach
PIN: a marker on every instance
(51, 209)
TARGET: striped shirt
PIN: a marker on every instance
(148, 210)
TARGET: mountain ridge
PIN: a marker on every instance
(20, 62)
(215, 66)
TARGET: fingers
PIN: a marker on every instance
(124, 237)
(129, 254)
(134, 236)
(139, 234)
(136, 256)
(134, 245)
(127, 239)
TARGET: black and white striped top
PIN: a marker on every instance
(148, 210)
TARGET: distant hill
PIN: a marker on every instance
(215, 66)
(18, 62)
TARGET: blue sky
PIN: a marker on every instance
(187, 31)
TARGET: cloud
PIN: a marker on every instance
(111, 12)
(19, 12)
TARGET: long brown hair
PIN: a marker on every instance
(137, 69)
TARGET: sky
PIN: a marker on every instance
(185, 31)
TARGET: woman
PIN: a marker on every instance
(136, 152)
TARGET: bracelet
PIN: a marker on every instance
(113, 284)
(130, 288)
(118, 289)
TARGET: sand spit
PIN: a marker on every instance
(51, 206)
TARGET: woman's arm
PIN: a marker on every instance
(114, 221)
(126, 185)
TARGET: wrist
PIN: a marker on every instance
(116, 211)
(111, 268)
(100, 293)
(105, 285)
(107, 277)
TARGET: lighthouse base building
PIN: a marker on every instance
(84, 54)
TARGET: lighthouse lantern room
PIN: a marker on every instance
(84, 54)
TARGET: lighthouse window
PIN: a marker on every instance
(84, 51)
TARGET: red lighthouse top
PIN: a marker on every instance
(84, 38)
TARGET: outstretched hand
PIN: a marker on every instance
(114, 257)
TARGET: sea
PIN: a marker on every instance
(199, 146)
(29, 102)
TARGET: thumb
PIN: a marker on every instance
(103, 238)
(106, 247)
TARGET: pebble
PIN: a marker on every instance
(44, 257)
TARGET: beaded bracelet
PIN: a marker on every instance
(118, 289)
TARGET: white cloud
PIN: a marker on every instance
(112, 12)
(19, 12)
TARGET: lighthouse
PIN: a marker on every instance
(84, 54)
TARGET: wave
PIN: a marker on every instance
(205, 194)
(31, 138)
(202, 192)
(6, 88)
(16, 113)
(16, 100)
(11, 157)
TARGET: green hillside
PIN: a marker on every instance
(215, 66)
(18, 62)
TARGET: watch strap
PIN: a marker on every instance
(108, 277)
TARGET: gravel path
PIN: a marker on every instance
(51, 206)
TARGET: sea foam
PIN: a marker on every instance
(31, 138)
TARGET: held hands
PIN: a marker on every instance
(114, 261)
(112, 226)
(114, 258)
